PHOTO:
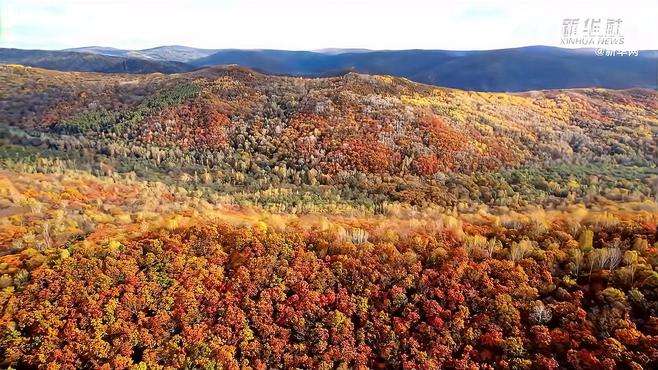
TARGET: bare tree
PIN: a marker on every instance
(578, 258)
(613, 256)
(540, 314)
(519, 250)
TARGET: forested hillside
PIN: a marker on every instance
(364, 138)
(224, 218)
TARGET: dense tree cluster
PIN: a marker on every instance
(515, 295)
(336, 124)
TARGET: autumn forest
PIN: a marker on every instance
(225, 219)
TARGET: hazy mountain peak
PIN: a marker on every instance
(335, 51)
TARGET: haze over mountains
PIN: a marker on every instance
(518, 69)
(88, 62)
(162, 53)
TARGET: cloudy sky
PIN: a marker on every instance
(309, 25)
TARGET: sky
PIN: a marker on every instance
(311, 25)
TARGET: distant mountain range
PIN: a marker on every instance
(517, 69)
(88, 62)
(173, 53)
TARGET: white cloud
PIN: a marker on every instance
(297, 24)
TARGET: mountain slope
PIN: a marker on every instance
(87, 62)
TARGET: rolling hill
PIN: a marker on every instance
(354, 133)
